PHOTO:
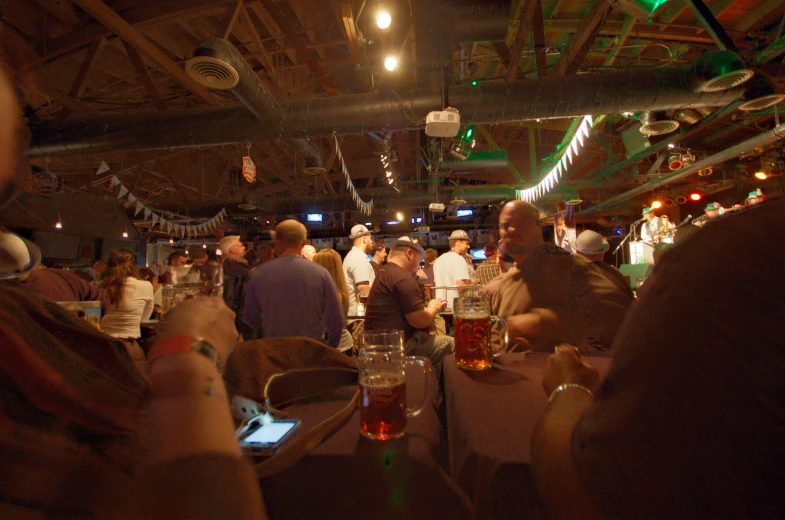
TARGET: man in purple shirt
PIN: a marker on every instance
(290, 296)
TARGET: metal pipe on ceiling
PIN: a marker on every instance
(217, 64)
(761, 140)
(632, 90)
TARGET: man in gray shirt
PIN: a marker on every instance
(290, 296)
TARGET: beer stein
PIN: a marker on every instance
(473, 348)
(191, 281)
(383, 407)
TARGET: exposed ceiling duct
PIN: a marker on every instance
(720, 70)
(218, 65)
(478, 161)
(441, 24)
(412, 199)
(761, 93)
(657, 123)
(634, 90)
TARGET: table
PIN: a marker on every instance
(491, 416)
(349, 476)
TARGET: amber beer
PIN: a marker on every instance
(383, 406)
(473, 342)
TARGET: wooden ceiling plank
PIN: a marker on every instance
(62, 9)
(538, 34)
(583, 39)
(80, 83)
(228, 22)
(776, 48)
(124, 30)
(272, 27)
(492, 142)
(141, 16)
(143, 76)
(264, 57)
(74, 105)
(675, 9)
(715, 29)
(761, 11)
(518, 35)
(291, 30)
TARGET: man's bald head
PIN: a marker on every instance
(520, 227)
(308, 251)
(289, 236)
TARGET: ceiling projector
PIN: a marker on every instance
(443, 123)
(436, 207)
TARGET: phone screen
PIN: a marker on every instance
(270, 433)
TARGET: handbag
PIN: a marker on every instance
(281, 371)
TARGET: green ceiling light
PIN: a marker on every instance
(640, 9)
(720, 70)
(474, 83)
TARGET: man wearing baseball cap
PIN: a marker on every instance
(489, 268)
(356, 267)
(450, 269)
(396, 302)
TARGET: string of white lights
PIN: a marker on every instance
(562, 165)
(365, 207)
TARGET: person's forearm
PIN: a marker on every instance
(188, 411)
(422, 319)
(552, 463)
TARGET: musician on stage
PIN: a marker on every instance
(651, 227)
(756, 196)
(712, 211)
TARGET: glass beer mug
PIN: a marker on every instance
(383, 408)
(473, 348)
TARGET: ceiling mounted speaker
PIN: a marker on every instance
(761, 93)
(246, 204)
(212, 73)
(657, 123)
(721, 70)
(458, 202)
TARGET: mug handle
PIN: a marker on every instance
(426, 366)
(505, 339)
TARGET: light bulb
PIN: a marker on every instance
(171, 241)
(125, 234)
(204, 246)
(656, 204)
(390, 180)
(390, 62)
(58, 225)
(399, 216)
(383, 19)
(695, 196)
(761, 175)
(388, 174)
(671, 146)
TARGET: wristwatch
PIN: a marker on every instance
(182, 345)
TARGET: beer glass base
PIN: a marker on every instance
(474, 367)
(382, 436)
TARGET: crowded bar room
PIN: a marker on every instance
(392, 259)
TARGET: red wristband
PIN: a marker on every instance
(181, 345)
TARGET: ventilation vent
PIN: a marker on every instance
(314, 170)
(659, 127)
(762, 102)
(458, 202)
(727, 81)
(247, 206)
(212, 73)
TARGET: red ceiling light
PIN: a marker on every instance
(695, 196)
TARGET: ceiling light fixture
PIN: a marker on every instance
(761, 175)
(388, 174)
(171, 241)
(59, 222)
(390, 63)
(657, 204)
(125, 233)
(695, 196)
(383, 19)
(671, 146)
(399, 216)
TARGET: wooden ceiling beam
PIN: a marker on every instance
(228, 22)
(63, 10)
(145, 15)
(761, 11)
(80, 82)
(620, 40)
(264, 57)
(538, 34)
(583, 39)
(143, 76)
(114, 22)
(74, 105)
(343, 9)
(518, 35)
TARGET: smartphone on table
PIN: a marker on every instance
(264, 437)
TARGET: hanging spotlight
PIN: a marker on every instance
(761, 175)
(671, 146)
(390, 63)
(657, 204)
(695, 196)
(383, 19)
(171, 241)
(388, 174)
(58, 222)
(390, 180)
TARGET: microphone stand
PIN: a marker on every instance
(632, 230)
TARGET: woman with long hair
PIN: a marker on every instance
(131, 299)
(331, 260)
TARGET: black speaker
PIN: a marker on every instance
(635, 271)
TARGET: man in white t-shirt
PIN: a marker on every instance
(358, 270)
(450, 269)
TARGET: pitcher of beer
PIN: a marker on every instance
(473, 349)
(383, 407)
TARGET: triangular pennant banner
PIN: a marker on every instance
(147, 213)
(155, 219)
(122, 192)
(131, 198)
(102, 168)
(115, 180)
(139, 207)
